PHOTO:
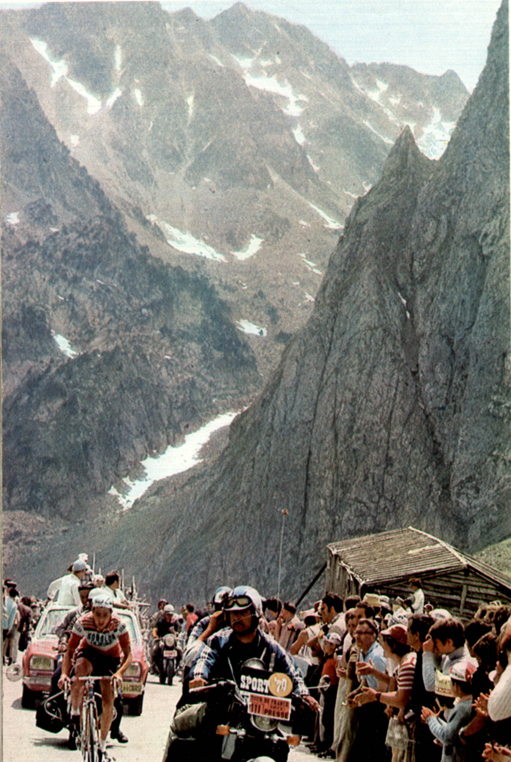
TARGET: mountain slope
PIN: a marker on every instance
(108, 354)
(234, 147)
(391, 406)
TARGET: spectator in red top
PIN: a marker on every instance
(191, 617)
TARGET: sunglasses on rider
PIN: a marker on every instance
(241, 601)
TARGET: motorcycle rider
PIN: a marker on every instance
(226, 651)
(163, 626)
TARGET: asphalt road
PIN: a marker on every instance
(22, 741)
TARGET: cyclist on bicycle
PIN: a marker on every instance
(97, 640)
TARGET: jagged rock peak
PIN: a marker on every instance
(186, 14)
(451, 78)
(238, 10)
(404, 155)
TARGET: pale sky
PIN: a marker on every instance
(431, 36)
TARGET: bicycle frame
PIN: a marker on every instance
(90, 732)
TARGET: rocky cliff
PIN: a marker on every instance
(391, 406)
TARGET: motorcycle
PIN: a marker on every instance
(249, 722)
(168, 656)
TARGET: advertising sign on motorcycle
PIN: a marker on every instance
(269, 706)
(266, 693)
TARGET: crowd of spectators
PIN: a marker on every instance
(398, 680)
(20, 614)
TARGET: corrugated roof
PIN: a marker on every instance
(402, 553)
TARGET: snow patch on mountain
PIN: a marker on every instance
(299, 136)
(190, 101)
(175, 460)
(312, 266)
(186, 242)
(137, 94)
(113, 97)
(245, 326)
(382, 137)
(60, 71)
(64, 345)
(93, 103)
(375, 95)
(330, 222)
(314, 166)
(217, 61)
(436, 136)
(245, 63)
(250, 249)
(60, 68)
(13, 218)
(272, 85)
(117, 58)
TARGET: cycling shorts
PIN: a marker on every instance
(101, 664)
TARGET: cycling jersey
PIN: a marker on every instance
(109, 642)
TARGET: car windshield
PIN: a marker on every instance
(50, 620)
(133, 628)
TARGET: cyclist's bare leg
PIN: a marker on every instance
(83, 668)
(107, 698)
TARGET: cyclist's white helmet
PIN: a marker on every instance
(102, 602)
(242, 597)
(168, 609)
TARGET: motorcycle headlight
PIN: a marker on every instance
(266, 724)
(134, 670)
(42, 663)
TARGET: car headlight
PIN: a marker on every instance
(134, 670)
(42, 662)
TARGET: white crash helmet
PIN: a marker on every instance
(221, 594)
(169, 609)
(242, 597)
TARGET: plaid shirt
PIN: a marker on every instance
(221, 641)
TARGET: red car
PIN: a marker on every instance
(134, 679)
(40, 656)
(39, 659)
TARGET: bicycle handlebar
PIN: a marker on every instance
(95, 677)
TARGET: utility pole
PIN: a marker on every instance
(285, 513)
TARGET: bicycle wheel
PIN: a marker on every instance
(90, 733)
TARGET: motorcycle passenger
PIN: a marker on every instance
(163, 626)
(159, 612)
(96, 642)
(226, 652)
(207, 626)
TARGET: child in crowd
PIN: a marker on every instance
(447, 731)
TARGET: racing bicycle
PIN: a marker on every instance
(89, 738)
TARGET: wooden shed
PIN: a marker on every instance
(383, 563)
